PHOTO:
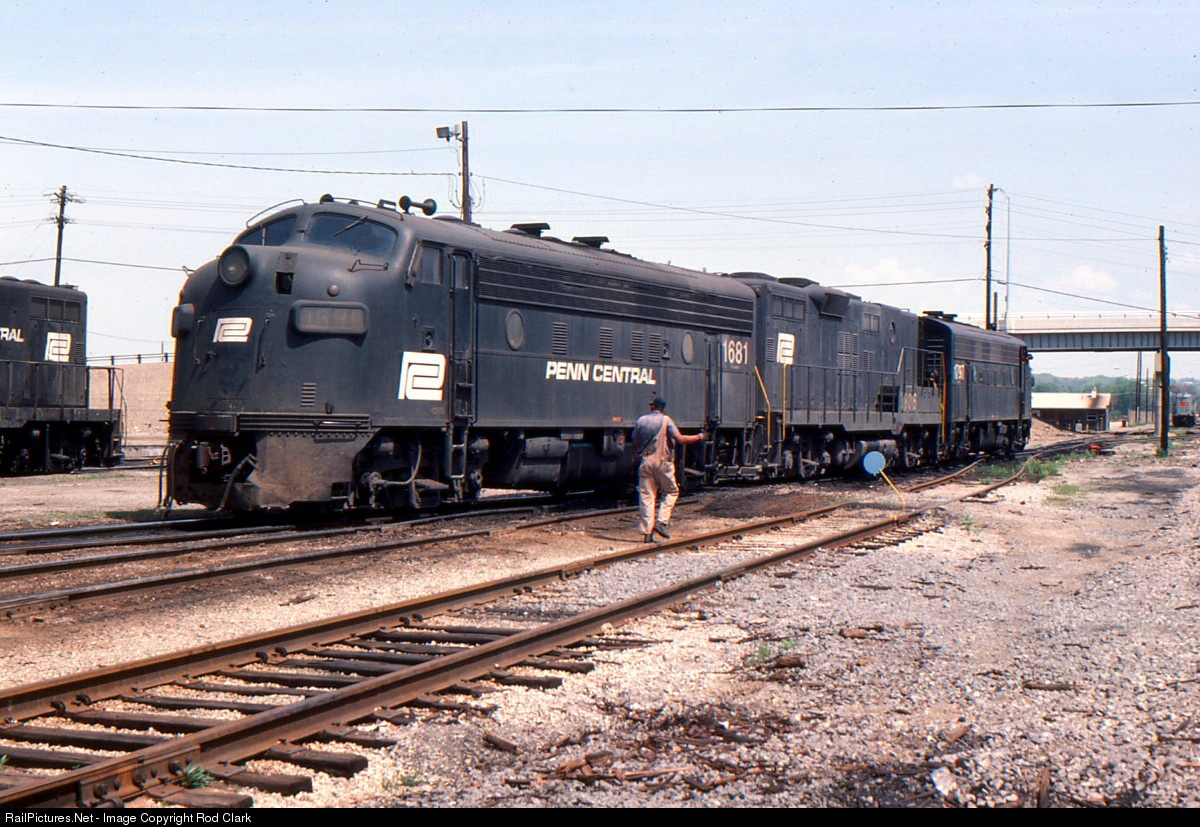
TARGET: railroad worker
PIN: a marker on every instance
(654, 439)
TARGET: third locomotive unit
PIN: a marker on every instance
(348, 354)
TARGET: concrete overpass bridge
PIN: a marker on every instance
(1100, 332)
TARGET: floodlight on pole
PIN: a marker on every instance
(459, 131)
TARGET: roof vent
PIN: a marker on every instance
(591, 240)
(533, 229)
(797, 281)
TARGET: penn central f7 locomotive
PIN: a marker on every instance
(349, 354)
(47, 422)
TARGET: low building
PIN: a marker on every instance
(1073, 411)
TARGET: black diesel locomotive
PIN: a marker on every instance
(355, 355)
(46, 419)
(1183, 410)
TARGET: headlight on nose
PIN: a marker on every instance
(234, 266)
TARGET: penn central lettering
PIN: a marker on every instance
(585, 372)
(11, 334)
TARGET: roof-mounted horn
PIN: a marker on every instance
(428, 206)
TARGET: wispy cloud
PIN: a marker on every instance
(1090, 281)
(886, 270)
(969, 181)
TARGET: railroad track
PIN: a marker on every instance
(21, 602)
(311, 683)
(29, 588)
(35, 541)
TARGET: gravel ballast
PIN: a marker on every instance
(1038, 648)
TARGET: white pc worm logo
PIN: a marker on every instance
(58, 347)
(786, 354)
(233, 329)
(422, 376)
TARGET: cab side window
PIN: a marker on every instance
(427, 265)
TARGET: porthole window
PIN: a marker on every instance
(688, 350)
(514, 330)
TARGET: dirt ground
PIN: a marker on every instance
(77, 499)
(1039, 647)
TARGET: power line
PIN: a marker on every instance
(94, 332)
(93, 261)
(1094, 208)
(902, 283)
(698, 211)
(1100, 301)
(665, 110)
(207, 163)
(26, 261)
(691, 210)
(275, 154)
(1092, 298)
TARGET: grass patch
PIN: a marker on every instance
(766, 653)
(1066, 489)
(995, 471)
(1039, 469)
(195, 777)
(396, 782)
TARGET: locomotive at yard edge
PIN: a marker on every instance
(347, 354)
(47, 419)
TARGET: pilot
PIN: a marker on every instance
(654, 438)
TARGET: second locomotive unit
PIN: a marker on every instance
(355, 355)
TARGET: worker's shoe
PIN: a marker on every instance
(661, 528)
(647, 538)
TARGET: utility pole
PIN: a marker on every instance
(1164, 382)
(466, 178)
(460, 132)
(1137, 393)
(989, 321)
(62, 197)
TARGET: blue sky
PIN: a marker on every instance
(878, 198)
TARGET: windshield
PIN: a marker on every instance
(352, 233)
(274, 234)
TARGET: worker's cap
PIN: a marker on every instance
(659, 403)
